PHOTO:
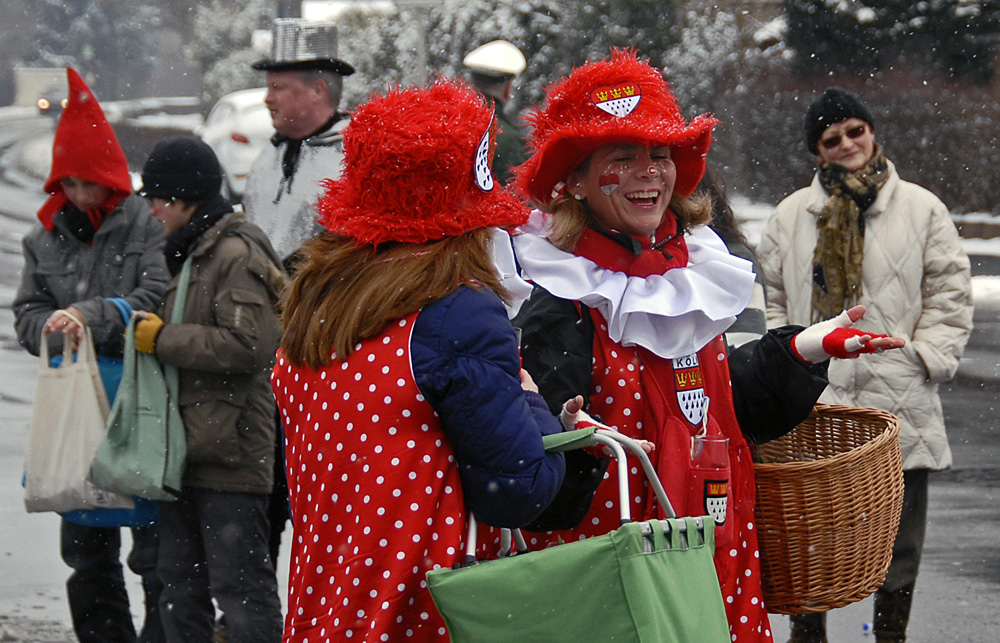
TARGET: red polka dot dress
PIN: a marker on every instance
(375, 496)
(637, 392)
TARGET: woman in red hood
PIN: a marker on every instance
(94, 241)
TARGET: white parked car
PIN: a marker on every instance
(237, 129)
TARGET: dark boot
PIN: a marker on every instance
(892, 612)
(808, 628)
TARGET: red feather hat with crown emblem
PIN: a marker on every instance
(417, 168)
(615, 100)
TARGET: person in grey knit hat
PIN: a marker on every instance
(862, 235)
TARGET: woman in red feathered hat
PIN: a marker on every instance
(95, 241)
(398, 379)
(633, 293)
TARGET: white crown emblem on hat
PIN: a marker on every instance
(618, 100)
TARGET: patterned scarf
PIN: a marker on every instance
(840, 234)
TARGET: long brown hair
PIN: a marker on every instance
(344, 293)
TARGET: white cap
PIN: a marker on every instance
(497, 57)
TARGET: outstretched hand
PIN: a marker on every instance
(836, 338)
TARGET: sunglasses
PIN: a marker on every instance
(834, 141)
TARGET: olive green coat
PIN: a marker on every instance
(224, 350)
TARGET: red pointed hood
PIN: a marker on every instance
(85, 147)
(621, 99)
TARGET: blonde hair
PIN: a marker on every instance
(343, 293)
(571, 217)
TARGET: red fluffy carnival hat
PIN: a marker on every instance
(85, 147)
(417, 168)
(619, 100)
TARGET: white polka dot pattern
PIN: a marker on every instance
(619, 380)
(375, 495)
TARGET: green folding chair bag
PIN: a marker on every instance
(625, 587)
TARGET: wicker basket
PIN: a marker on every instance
(829, 496)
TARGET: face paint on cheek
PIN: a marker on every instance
(609, 182)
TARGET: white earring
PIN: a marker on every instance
(578, 197)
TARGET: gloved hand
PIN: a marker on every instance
(574, 417)
(835, 338)
(146, 332)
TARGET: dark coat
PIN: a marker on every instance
(224, 351)
(125, 259)
(510, 151)
(465, 363)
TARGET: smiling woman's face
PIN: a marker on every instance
(627, 186)
(849, 144)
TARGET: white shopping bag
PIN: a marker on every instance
(67, 425)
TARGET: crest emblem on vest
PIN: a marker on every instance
(715, 500)
(690, 387)
(618, 100)
(484, 155)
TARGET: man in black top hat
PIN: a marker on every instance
(304, 84)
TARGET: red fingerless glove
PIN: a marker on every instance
(841, 343)
(834, 337)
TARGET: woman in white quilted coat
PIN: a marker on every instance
(861, 234)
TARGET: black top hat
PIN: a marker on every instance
(299, 44)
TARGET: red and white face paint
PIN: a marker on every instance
(609, 182)
(627, 186)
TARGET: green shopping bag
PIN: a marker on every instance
(143, 450)
(644, 582)
(145, 446)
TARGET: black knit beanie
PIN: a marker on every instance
(835, 105)
(181, 167)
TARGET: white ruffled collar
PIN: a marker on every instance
(673, 314)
